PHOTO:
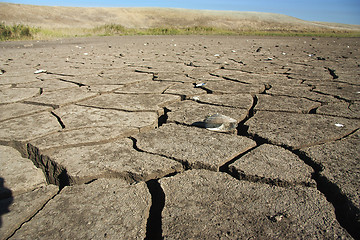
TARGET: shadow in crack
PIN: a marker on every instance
(346, 212)
(154, 224)
(199, 124)
(6, 199)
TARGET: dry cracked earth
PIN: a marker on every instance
(99, 138)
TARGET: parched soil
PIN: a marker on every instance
(103, 138)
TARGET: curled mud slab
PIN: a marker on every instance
(109, 141)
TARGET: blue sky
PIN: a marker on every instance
(340, 11)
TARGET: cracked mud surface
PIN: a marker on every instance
(108, 140)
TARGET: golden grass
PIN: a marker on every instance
(23, 32)
(43, 22)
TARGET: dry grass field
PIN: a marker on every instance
(47, 22)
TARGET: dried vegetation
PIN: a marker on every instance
(42, 22)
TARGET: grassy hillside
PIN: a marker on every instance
(47, 22)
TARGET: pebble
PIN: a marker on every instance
(40, 71)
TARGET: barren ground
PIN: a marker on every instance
(99, 138)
